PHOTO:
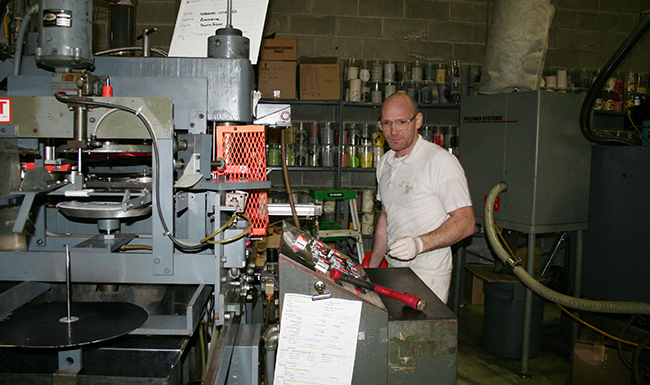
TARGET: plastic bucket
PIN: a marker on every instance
(504, 319)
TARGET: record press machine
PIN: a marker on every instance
(125, 180)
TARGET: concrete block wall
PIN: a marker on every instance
(584, 33)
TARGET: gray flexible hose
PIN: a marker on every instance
(538, 288)
(271, 336)
(21, 37)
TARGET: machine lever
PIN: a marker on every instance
(409, 299)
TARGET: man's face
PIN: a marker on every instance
(400, 137)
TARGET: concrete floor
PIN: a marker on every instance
(477, 366)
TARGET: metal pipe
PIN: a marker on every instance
(80, 123)
(229, 15)
(528, 309)
(68, 293)
(577, 278)
(146, 44)
(79, 161)
(553, 255)
(459, 262)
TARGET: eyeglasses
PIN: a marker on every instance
(399, 125)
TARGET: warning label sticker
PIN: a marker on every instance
(5, 111)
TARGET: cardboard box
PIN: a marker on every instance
(595, 363)
(279, 49)
(474, 289)
(319, 78)
(277, 79)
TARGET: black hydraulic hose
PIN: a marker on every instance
(638, 372)
(539, 289)
(601, 79)
(619, 345)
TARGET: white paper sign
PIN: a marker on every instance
(318, 341)
(199, 19)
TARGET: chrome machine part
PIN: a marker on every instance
(100, 210)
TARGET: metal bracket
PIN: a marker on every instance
(512, 262)
(192, 173)
(130, 204)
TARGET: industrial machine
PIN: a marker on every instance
(133, 187)
(127, 180)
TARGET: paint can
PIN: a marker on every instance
(365, 156)
(427, 133)
(273, 157)
(300, 135)
(367, 201)
(376, 93)
(314, 156)
(301, 155)
(328, 155)
(367, 224)
(377, 153)
(327, 133)
(376, 72)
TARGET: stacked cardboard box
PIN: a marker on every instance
(277, 68)
(320, 78)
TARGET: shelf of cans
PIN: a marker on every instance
(444, 136)
(316, 144)
(622, 90)
(372, 81)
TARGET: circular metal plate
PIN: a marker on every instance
(100, 210)
(43, 325)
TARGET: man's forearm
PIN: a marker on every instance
(458, 226)
(379, 246)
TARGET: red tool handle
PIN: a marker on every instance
(409, 299)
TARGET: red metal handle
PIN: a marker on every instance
(409, 299)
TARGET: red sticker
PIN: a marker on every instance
(497, 202)
(5, 111)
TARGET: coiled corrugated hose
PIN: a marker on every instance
(538, 288)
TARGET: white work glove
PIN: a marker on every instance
(406, 248)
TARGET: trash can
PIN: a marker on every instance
(504, 319)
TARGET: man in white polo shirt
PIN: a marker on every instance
(426, 206)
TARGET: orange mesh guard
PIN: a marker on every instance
(243, 148)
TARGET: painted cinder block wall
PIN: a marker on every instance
(584, 33)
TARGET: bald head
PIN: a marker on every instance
(401, 101)
(400, 122)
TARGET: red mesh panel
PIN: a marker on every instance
(257, 211)
(243, 148)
